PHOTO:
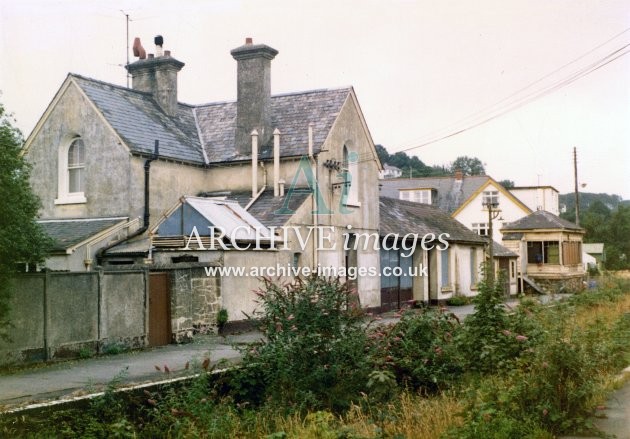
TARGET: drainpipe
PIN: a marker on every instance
(313, 160)
(254, 163)
(145, 218)
(276, 162)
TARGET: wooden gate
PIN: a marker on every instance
(159, 310)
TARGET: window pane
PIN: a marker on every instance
(76, 154)
(534, 252)
(75, 180)
(406, 281)
(552, 252)
(76, 166)
(445, 268)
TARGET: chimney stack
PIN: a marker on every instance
(253, 109)
(157, 75)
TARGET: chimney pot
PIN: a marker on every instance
(249, 40)
(253, 108)
(157, 76)
(167, 53)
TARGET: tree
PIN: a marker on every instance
(410, 166)
(22, 240)
(468, 165)
(508, 184)
(617, 240)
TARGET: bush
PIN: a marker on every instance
(458, 301)
(314, 356)
(222, 319)
(491, 339)
(419, 349)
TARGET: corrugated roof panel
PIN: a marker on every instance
(235, 221)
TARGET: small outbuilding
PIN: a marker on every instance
(549, 249)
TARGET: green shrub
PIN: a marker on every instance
(419, 349)
(222, 319)
(458, 301)
(314, 355)
(491, 339)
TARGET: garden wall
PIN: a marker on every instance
(57, 315)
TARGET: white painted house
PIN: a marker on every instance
(462, 197)
(538, 197)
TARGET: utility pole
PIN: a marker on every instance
(490, 246)
(493, 213)
(577, 192)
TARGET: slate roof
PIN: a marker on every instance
(451, 193)
(500, 251)
(402, 217)
(541, 219)
(135, 246)
(265, 208)
(290, 113)
(67, 233)
(139, 120)
(210, 128)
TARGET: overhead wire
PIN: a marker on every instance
(489, 116)
(489, 107)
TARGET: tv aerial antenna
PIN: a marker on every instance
(127, 20)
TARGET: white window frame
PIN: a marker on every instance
(422, 196)
(491, 196)
(481, 227)
(64, 196)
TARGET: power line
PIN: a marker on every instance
(528, 98)
(478, 112)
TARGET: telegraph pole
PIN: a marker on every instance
(577, 192)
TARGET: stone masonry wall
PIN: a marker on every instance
(195, 302)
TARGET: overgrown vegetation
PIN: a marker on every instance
(533, 372)
(607, 220)
(21, 238)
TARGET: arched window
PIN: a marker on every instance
(76, 166)
(71, 184)
(351, 169)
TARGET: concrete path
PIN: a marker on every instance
(74, 378)
(614, 419)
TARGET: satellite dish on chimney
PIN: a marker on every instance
(138, 50)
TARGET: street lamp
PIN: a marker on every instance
(493, 213)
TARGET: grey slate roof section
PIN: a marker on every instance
(502, 252)
(512, 236)
(290, 113)
(70, 232)
(139, 121)
(451, 193)
(402, 217)
(137, 246)
(265, 207)
(541, 219)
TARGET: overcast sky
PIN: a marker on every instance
(417, 66)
